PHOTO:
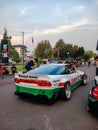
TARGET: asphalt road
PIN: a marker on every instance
(24, 114)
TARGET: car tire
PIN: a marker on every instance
(66, 92)
(84, 80)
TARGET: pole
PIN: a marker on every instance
(23, 47)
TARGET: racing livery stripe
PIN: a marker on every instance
(47, 92)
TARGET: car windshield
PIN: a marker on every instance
(48, 70)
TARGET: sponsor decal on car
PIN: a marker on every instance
(74, 80)
(28, 76)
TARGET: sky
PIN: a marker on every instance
(74, 21)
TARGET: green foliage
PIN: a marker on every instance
(19, 67)
(15, 56)
(88, 54)
(62, 51)
(43, 49)
(66, 50)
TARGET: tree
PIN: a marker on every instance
(59, 49)
(88, 54)
(43, 50)
(80, 51)
(67, 50)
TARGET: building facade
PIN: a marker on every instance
(22, 51)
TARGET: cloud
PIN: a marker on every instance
(96, 3)
(23, 11)
(80, 24)
(59, 11)
(64, 28)
(26, 10)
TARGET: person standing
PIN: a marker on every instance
(89, 62)
(96, 64)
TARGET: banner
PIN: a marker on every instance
(4, 49)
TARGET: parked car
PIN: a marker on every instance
(50, 80)
(93, 97)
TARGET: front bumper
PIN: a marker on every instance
(92, 103)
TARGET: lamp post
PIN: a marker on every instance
(23, 47)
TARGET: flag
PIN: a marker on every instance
(32, 40)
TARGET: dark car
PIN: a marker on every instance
(93, 97)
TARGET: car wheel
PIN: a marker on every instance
(66, 92)
(84, 80)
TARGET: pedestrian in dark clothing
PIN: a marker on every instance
(89, 62)
(31, 64)
(13, 69)
(96, 64)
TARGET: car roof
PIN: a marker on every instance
(59, 64)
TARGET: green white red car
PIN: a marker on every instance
(50, 81)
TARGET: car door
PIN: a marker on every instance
(74, 79)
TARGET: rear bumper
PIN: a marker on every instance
(20, 90)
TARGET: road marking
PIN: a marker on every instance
(47, 123)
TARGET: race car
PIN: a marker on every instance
(50, 80)
(93, 97)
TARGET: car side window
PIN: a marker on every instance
(66, 71)
(72, 70)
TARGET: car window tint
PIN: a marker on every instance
(60, 70)
(47, 69)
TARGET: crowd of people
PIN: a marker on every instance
(34, 62)
(4, 70)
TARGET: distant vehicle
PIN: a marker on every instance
(50, 80)
(93, 97)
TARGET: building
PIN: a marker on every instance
(22, 51)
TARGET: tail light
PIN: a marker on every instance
(81, 75)
(38, 82)
(16, 80)
(95, 93)
(61, 84)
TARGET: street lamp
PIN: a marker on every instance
(23, 47)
